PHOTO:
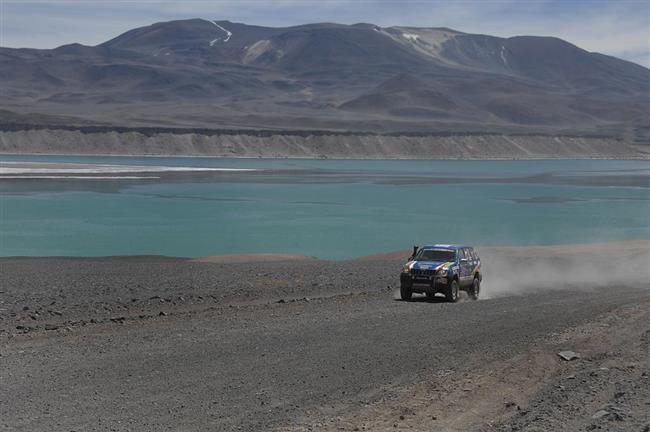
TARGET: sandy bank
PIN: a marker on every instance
(614, 250)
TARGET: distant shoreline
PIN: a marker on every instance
(321, 145)
(640, 245)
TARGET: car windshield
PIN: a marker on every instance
(435, 255)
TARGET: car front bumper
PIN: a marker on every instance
(423, 284)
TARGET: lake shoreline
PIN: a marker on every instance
(640, 245)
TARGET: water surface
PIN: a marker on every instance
(330, 209)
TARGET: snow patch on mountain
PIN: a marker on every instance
(228, 34)
(410, 36)
(503, 55)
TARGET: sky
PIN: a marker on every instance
(616, 27)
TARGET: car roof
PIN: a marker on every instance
(445, 246)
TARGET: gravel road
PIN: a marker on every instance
(154, 343)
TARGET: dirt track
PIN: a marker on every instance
(167, 344)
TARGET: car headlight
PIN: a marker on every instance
(442, 272)
(407, 268)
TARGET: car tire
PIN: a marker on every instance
(475, 289)
(451, 293)
(405, 292)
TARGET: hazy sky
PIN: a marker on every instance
(620, 28)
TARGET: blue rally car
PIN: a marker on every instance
(442, 268)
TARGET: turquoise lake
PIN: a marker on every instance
(332, 209)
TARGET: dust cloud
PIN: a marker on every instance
(524, 270)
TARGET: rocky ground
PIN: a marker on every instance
(152, 343)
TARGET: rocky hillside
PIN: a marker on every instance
(321, 145)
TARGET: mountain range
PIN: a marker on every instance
(361, 77)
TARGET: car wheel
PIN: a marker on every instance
(405, 292)
(452, 292)
(476, 288)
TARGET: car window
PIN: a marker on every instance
(463, 254)
(435, 255)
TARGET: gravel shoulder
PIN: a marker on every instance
(152, 343)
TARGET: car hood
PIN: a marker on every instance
(427, 265)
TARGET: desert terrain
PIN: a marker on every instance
(295, 343)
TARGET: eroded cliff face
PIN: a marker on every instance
(54, 141)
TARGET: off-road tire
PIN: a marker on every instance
(475, 289)
(452, 292)
(405, 292)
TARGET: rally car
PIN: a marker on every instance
(442, 268)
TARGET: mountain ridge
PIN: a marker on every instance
(216, 73)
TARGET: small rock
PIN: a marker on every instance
(401, 417)
(281, 301)
(600, 414)
(25, 308)
(568, 355)
(51, 327)
(162, 313)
